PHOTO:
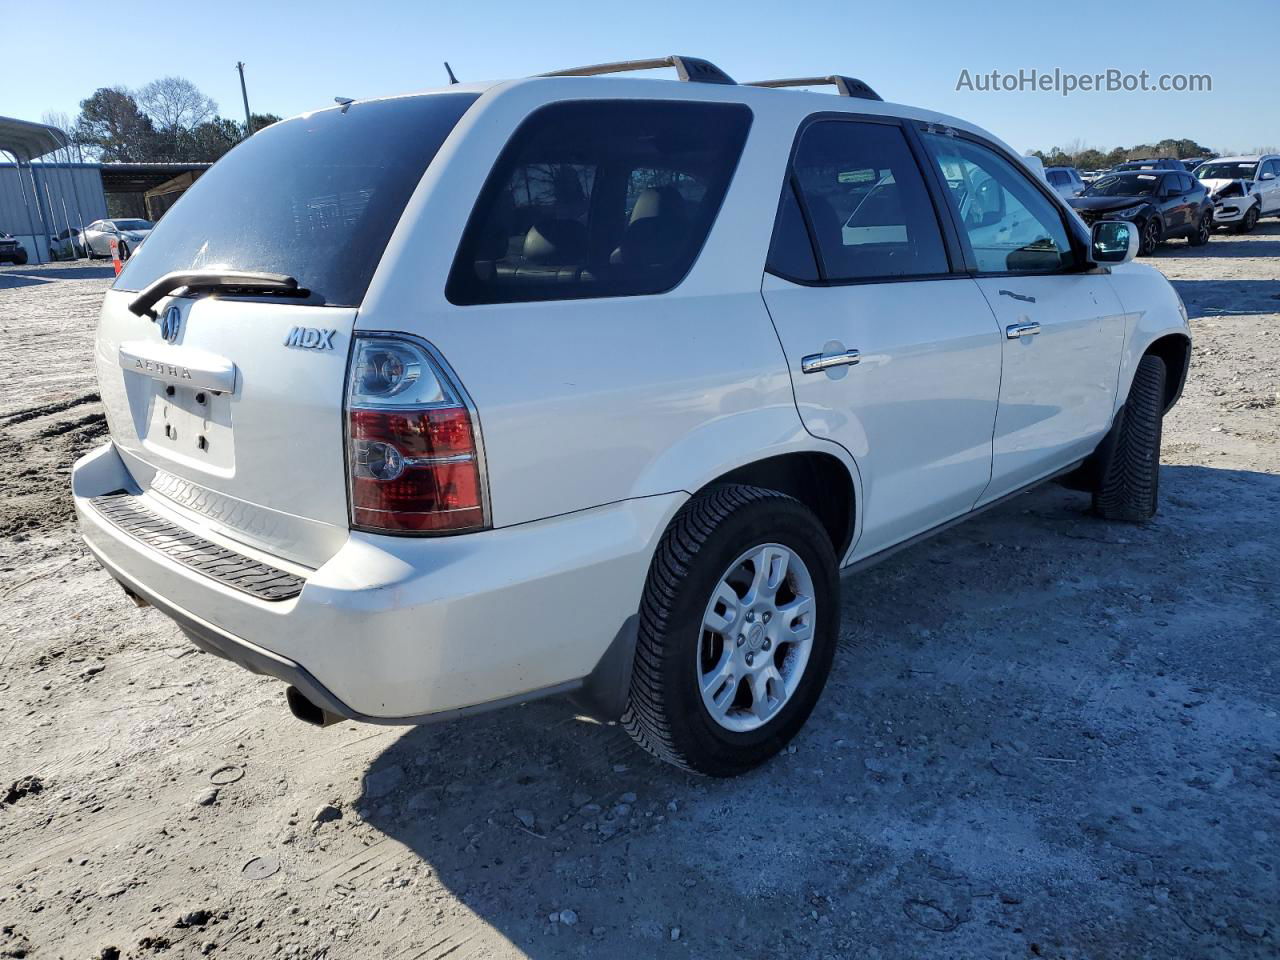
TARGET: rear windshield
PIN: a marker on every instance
(316, 198)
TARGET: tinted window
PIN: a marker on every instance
(791, 252)
(1058, 178)
(316, 197)
(599, 199)
(867, 203)
(1011, 226)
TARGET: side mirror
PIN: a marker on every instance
(1114, 241)
(1267, 176)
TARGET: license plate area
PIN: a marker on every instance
(191, 425)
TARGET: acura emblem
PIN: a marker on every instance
(171, 323)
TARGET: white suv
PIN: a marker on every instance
(596, 385)
(1242, 189)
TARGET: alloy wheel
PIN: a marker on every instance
(1150, 237)
(757, 634)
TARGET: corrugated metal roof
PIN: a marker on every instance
(27, 140)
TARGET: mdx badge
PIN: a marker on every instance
(310, 338)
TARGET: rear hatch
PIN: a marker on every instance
(229, 407)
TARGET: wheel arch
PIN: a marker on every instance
(819, 480)
(1175, 350)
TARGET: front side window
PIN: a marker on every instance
(868, 206)
(1010, 225)
(599, 199)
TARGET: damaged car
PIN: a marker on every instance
(1162, 203)
(1243, 189)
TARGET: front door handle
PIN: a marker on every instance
(1016, 330)
(817, 362)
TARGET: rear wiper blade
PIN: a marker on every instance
(221, 281)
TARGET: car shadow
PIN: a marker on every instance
(42, 274)
(1261, 242)
(984, 718)
(1218, 298)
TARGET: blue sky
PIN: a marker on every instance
(300, 55)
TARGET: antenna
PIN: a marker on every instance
(345, 101)
(449, 70)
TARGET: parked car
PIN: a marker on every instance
(1149, 163)
(599, 390)
(67, 244)
(1163, 204)
(11, 251)
(1066, 180)
(1242, 189)
(128, 232)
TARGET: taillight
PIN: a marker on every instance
(412, 442)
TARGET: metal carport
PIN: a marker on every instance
(25, 141)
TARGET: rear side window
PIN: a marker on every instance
(316, 198)
(790, 251)
(599, 199)
(867, 203)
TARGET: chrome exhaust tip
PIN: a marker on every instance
(308, 712)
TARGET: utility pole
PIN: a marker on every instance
(244, 92)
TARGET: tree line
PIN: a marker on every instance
(1076, 154)
(168, 120)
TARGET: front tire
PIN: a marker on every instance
(1129, 483)
(1150, 237)
(738, 627)
(1250, 220)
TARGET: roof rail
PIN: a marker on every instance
(689, 69)
(845, 86)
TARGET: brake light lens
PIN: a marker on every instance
(412, 445)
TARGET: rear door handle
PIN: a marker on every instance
(1016, 330)
(817, 362)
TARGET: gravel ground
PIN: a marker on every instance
(1046, 736)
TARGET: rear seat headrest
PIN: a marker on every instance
(556, 242)
(658, 202)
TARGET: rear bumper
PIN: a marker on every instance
(403, 630)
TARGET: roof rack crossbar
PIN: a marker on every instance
(688, 69)
(845, 86)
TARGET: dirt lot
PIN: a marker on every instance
(1046, 736)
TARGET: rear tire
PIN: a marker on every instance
(690, 639)
(20, 258)
(1202, 232)
(1129, 479)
